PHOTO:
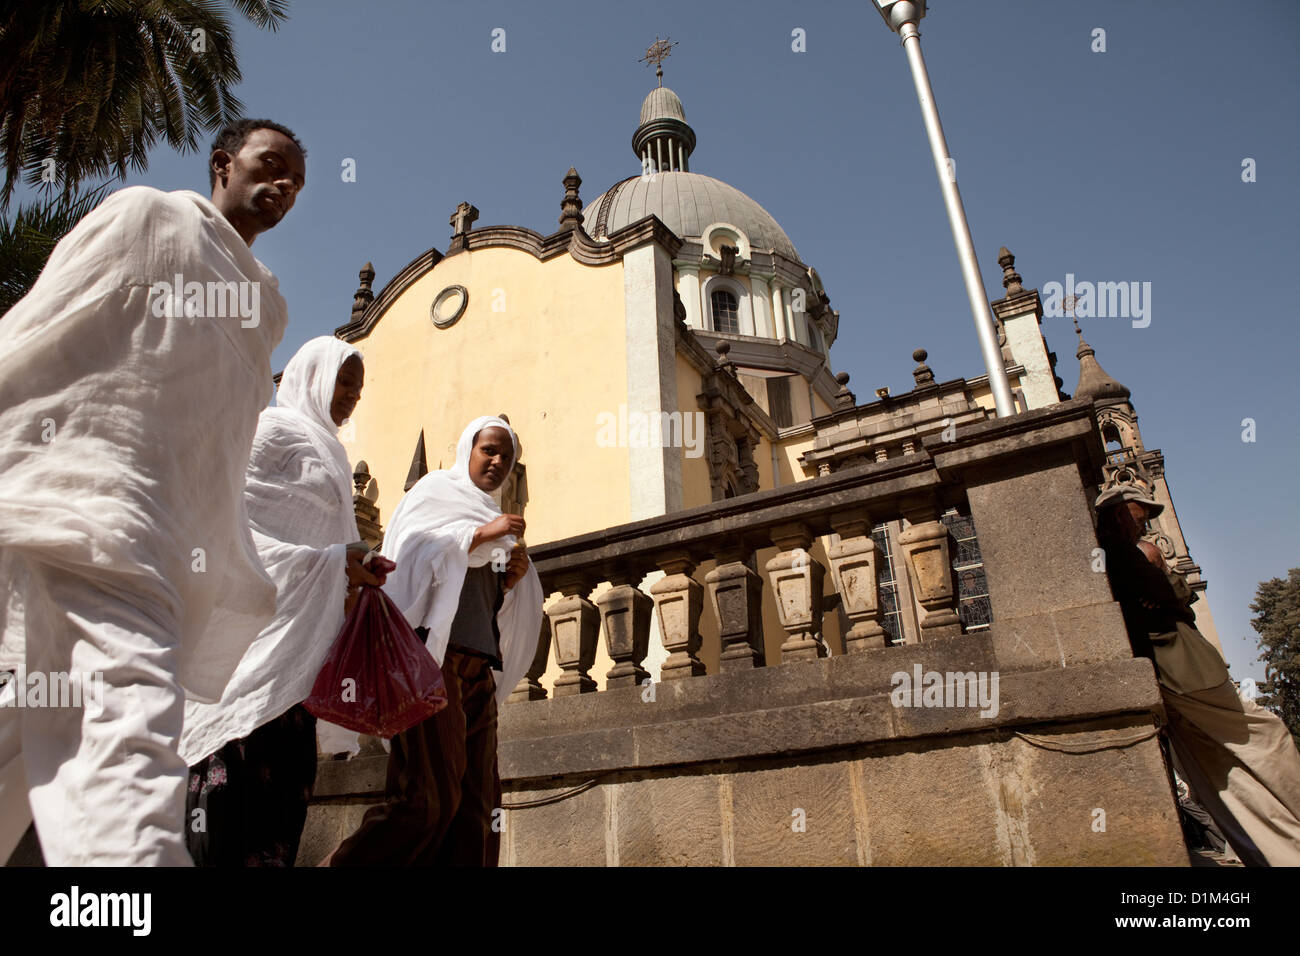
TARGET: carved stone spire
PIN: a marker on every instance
(571, 205)
(364, 296)
(419, 464)
(1011, 280)
(1094, 383)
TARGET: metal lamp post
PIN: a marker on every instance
(902, 17)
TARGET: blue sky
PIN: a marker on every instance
(1115, 166)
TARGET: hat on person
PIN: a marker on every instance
(1122, 493)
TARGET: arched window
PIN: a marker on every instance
(726, 311)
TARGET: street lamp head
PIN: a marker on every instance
(898, 12)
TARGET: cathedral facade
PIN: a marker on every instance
(665, 348)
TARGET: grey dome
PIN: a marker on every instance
(688, 203)
(662, 103)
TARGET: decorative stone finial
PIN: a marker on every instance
(1011, 280)
(361, 476)
(922, 372)
(571, 205)
(364, 296)
(722, 348)
(844, 398)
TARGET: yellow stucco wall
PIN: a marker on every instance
(696, 488)
(543, 342)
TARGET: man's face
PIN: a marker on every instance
(258, 185)
(1133, 519)
(347, 389)
(490, 461)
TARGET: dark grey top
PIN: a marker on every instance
(475, 626)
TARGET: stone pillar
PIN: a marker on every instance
(778, 313)
(736, 596)
(855, 573)
(575, 624)
(530, 687)
(690, 292)
(625, 614)
(1049, 593)
(679, 601)
(797, 588)
(929, 562)
(762, 301)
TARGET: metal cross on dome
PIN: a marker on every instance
(659, 51)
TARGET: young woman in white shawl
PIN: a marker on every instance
(463, 578)
(253, 754)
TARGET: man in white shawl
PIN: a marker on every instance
(463, 576)
(253, 753)
(136, 369)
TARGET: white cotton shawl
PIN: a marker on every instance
(429, 538)
(299, 497)
(125, 431)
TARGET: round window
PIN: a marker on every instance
(449, 306)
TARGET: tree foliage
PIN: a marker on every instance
(92, 85)
(28, 238)
(1277, 621)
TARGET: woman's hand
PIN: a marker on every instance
(498, 527)
(518, 565)
(358, 574)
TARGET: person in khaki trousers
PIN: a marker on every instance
(1238, 757)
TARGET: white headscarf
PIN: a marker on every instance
(304, 398)
(429, 537)
(298, 492)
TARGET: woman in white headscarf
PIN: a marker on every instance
(253, 753)
(463, 578)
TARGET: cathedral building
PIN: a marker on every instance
(668, 347)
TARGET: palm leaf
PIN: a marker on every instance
(27, 239)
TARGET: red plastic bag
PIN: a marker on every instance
(379, 678)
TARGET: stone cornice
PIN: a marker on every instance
(1027, 301)
(362, 326)
(574, 241)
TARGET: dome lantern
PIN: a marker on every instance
(664, 141)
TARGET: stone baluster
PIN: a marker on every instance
(625, 613)
(529, 686)
(855, 573)
(575, 626)
(679, 601)
(736, 596)
(797, 588)
(925, 544)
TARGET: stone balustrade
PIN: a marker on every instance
(1019, 478)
